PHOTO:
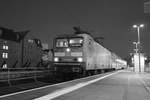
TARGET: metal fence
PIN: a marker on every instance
(8, 75)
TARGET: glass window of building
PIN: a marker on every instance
(5, 66)
(6, 47)
(5, 55)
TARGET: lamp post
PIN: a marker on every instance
(138, 29)
(136, 47)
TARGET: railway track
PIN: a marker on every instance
(22, 85)
(29, 83)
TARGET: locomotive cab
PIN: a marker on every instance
(68, 54)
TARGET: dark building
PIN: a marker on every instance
(19, 50)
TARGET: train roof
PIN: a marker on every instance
(68, 36)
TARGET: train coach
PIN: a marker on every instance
(80, 53)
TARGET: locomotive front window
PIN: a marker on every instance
(76, 42)
(61, 43)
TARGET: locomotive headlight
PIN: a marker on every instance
(56, 59)
(68, 49)
(79, 59)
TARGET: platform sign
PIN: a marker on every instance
(147, 7)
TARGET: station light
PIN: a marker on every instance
(142, 25)
(134, 26)
(138, 26)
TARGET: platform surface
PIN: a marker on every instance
(120, 85)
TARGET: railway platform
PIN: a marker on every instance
(119, 85)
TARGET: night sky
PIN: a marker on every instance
(112, 19)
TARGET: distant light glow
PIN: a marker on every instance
(134, 26)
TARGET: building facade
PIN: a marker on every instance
(19, 50)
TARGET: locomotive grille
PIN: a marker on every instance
(67, 59)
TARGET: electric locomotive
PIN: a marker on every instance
(68, 53)
(80, 53)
